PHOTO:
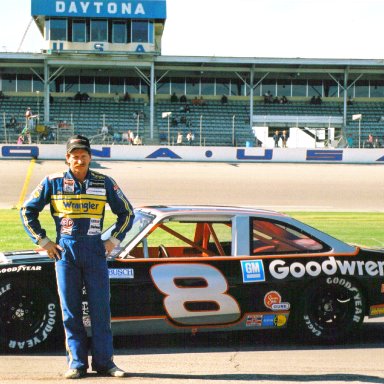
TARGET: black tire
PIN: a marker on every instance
(331, 309)
(30, 316)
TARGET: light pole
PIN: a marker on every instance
(358, 117)
(167, 115)
(201, 128)
(233, 130)
(38, 105)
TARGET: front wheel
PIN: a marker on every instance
(30, 315)
(331, 308)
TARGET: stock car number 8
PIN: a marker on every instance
(181, 298)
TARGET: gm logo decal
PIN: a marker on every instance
(253, 271)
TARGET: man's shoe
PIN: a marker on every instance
(75, 373)
(116, 372)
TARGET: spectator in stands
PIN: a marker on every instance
(85, 97)
(20, 139)
(284, 100)
(2, 96)
(78, 96)
(137, 140)
(48, 134)
(174, 122)
(268, 97)
(127, 97)
(190, 137)
(318, 100)
(350, 100)
(174, 98)
(313, 100)
(284, 138)
(12, 122)
(183, 99)
(369, 142)
(196, 101)
(202, 101)
(131, 137)
(116, 137)
(116, 97)
(276, 100)
(187, 108)
(377, 142)
(124, 137)
(179, 140)
(104, 132)
(224, 99)
(276, 138)
(188, 123)
(349, 141)
(28, 125)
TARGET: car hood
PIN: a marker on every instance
(21, 257)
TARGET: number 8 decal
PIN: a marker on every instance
(178, 297)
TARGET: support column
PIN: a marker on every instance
(251, 96)
(345, 98)
(46, 93)
(152, 100)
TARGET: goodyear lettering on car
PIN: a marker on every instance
(21, 268)
(279, 270)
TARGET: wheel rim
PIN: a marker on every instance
(20, 315)
(332, 309)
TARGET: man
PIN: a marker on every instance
(77, 199)
(28, 125)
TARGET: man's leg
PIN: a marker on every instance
(70, 286)
(97, 285)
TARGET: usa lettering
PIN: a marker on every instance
(99, 7)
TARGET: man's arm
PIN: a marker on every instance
(122, 208)
(29, 213)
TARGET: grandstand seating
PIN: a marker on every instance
(213, 124)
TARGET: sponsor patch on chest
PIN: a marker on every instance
(95, 191)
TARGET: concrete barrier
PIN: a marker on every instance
(202, 154)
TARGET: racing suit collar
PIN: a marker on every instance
(72, 176)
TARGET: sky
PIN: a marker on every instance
(347, 29)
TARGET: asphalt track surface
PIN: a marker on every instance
(217, 358)
(293, 187)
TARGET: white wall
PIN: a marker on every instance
(203, 154)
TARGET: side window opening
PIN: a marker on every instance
(270, 237)
(187, 239)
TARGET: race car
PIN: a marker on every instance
(192, 269)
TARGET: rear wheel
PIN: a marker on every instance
(29, 315)
(331, 309)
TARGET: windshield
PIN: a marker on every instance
(141, 221)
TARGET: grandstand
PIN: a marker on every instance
(123, 59)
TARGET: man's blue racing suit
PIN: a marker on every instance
(78, 210)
